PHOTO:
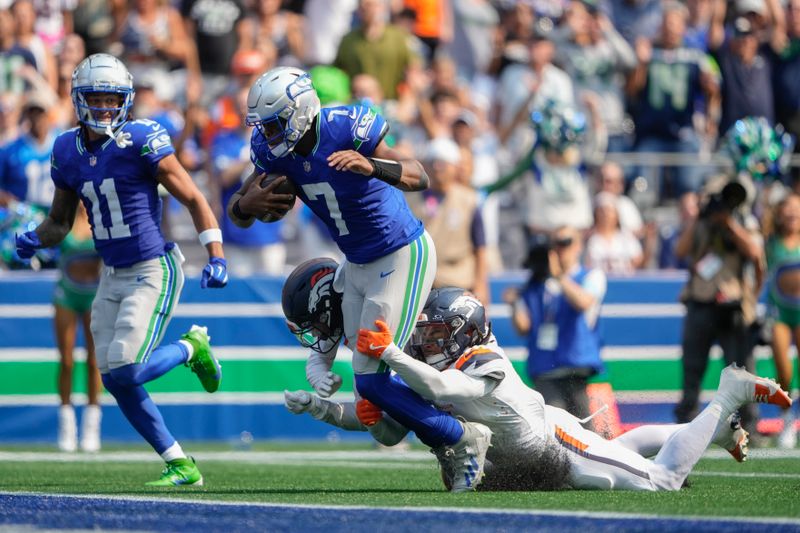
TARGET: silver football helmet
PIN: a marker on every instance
(282, 105)
(101, 73)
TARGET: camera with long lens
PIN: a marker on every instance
(727, 200)
(538, 259)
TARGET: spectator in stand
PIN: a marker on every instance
(525, 87)
(688, 209)
(664, 87)
(475, 25)
(333, 15)
(433, 23)
(274, 26)
(746, 69)
(636, 19)
(786, 83)
(12, 56)
(610, 248)
(93, 20)
(25, 162)
(26, 37)
(698, 24)
(513, 37)
(596, 57)
(377, 48)
(612, 180)
(53, 21)
(452, 216)
(9, 118)
(154, 40)
(217, 29)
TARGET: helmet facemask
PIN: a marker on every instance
(435, 342)
(102, 74)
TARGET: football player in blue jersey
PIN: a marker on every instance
(113, 165)
(345, 173)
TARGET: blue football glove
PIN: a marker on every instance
(27, 243)
(215, 274)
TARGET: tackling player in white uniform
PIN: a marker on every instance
(535, 446)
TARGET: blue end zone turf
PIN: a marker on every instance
(69, 512)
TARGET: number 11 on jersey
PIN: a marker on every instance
(108, 195)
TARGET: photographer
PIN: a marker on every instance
(557, 311)
(723, 249)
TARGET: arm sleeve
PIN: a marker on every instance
(388, 431)
(445, 386)
(343, 415)
(319, 364)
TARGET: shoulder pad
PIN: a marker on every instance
(481, 361)
(149, 135)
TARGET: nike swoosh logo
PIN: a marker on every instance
(384, 274)
(140, 279)
(373, 347)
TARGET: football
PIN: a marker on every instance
(287, 187)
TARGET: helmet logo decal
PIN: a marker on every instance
(321, 287)
(467, 302)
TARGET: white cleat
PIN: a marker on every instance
(739, 387)
(734, 438)
(462, 463)
(90, 428)
(787, 438)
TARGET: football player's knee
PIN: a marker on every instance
(126, 376)
(111, 384)
(371, 386)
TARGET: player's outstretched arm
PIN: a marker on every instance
(445, 386)
(384, 164)
(179, 183)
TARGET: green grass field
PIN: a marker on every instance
(766, 486)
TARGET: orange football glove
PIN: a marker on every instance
(368, 413)
(373, 343)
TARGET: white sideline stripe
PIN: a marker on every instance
(273, 398)
(295, 353)
(460, 510)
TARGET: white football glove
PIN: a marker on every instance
(326, 384)
(297, 402)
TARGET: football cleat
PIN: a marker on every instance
(462, 463)
(739, 387)
(734, 438)
(90, 428)
(787, 438)
(203, 363)
(179, 472)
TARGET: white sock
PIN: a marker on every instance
(685, 447)
(189, 349)
(173, 452)
(647, 440)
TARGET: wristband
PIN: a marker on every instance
(238, 213)
(210, 235)
(386, 170)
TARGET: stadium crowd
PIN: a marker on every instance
(531, 115)
(631, 82)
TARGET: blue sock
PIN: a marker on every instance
(161, 360)
(432, 426)
(141, 412)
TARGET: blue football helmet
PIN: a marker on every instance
(102, 73)
(281, 105)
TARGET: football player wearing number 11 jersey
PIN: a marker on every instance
(346, 174)
(114, 165)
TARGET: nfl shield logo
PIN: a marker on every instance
(92, 161)
(307, 166)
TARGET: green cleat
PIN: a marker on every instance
(203, 363)
(179, 472)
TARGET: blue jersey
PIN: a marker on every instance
(366, 217)
(25, 170)
(116, 182)
(229, 147)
